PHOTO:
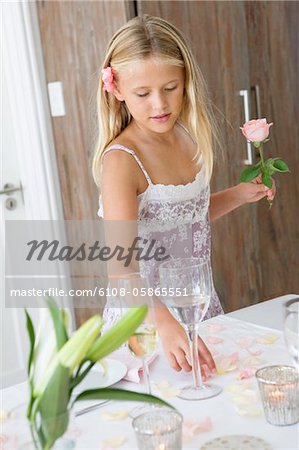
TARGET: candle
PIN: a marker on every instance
(161, 447)
(159, 430)
(275, 397)
(279, 393)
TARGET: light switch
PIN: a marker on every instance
(56, 99)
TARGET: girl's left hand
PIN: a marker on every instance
(255, 190)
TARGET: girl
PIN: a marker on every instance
(154, 157)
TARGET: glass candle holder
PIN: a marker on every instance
(279, 392)
(159, 430)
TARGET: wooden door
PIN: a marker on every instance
(273, 36)
(216, 32)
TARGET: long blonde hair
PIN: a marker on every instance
(138, 39)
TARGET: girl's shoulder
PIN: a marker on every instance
(118, 161)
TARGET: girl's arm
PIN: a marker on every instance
(225, 201)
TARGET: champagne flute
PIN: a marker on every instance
(134, 291)
(291, 329)
(186, 286)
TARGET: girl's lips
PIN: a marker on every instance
(161, 118)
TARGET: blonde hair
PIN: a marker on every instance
(138, 39)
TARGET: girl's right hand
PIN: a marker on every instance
(176, 347)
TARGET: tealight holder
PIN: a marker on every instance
(159, 430)
(278, 387)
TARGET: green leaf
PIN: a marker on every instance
(250, 173)
(31, 335)
(280, 165)
(58, 321)
(120, 394)
(269, 166)
(80, 376)
(266, 179)
(117, 334)
(73, 351)
(53, 406)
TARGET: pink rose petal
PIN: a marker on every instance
(226, 363)
(245, 374)
(245, 342)
(204, 426)
(192, 428)
(215, 327)
(213, 340)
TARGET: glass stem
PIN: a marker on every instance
(146, 376)
(193, 342)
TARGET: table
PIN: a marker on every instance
(93, 430)
(267, 314)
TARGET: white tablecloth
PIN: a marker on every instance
(92, 429)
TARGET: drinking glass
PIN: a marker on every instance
(186, 287)
(291, 329)
(159, 430)
(134, 290)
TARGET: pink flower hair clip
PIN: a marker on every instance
(108, 79)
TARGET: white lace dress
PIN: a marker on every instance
(177, 218)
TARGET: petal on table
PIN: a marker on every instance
(192, 428)
(238, 388)
(213, 340)
(247, 397)
(215, 327)
(251, 362)
(163, 384)
(254, 353)
(245, 342)
(249, 409)
(245, 374)
(121, 414)
(169, 392)
(267, 339)
(166, 389)
(116, 442)
(226, 363)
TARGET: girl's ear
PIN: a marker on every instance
(117, 93)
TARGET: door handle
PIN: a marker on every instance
(244, 93)
(9, 188)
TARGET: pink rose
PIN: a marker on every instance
(256, 130)
(107, 77)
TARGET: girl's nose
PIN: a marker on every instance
(159, 102)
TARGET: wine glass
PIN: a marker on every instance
(186, 287)
(134, 291)
(291, 328)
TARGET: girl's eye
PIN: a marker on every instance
(167, 89)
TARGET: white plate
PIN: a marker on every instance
(236, 442)
(115, 371)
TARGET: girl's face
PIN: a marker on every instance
(152, 88)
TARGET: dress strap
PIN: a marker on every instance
(131, 152)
